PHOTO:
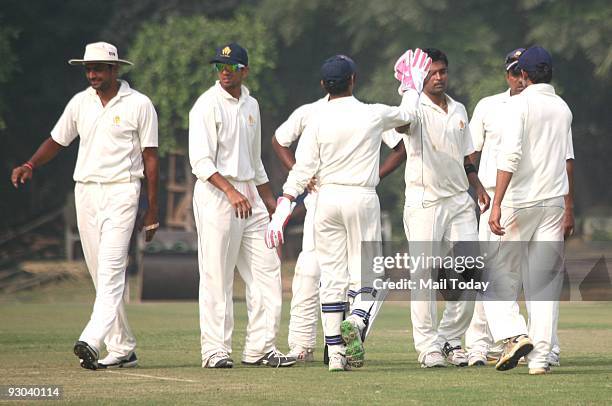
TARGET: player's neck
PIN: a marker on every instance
(108, 94)
(348, 93)
(439, 100)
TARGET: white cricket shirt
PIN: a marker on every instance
(294, 126)
(436, 146)
(341, 143)
(225, 136)
(486, 129)
(536, 142)
(111, 137)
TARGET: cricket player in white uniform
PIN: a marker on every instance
(528, 207)
(486, 128)
(232, 201)
(117, 130)
(305, 286)
(341, 146)
(438, 208)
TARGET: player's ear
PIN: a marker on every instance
(245, 72)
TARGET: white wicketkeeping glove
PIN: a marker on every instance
(274, 233)
(411, 70)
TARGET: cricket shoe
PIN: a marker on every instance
(219, 359)
(88, 355)
(110, 361)
(433, 359)
(338, 362)
(554, 359)
(302, 354)
(351, 335)
(275, 359)
(455, 355)
(539, 371)
(514, 349)
(477, 359)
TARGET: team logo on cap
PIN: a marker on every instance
(517, 54)
(226, 51)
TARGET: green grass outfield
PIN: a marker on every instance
(38, 329)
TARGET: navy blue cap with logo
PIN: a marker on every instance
(535, 59)
(338, 68)
(512, 58)
(231, 54)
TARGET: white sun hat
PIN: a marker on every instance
(100, 52)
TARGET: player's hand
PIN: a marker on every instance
(484, 200)
(274, 233)
(21, 174)
(312, 185)
(242, 206)
(494, 219)
(150, 223)
(568, 222)
(411, 70)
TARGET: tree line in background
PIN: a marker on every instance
(171, 41)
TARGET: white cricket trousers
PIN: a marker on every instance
(535, 228)
(226, 242)
(478, 337)
(106, 213)
(451, 219)
(345, 217)
(305, 286)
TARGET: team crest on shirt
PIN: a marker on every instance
(461, 124)
(251, 120)
(117, 120)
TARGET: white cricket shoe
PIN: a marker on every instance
(302, 354)
(111, 361)
(554, 359)
(455, 355)
(434, 359)
(477, 359)
(220, 359)
(338, 363)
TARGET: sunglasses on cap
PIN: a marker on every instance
(219, 67)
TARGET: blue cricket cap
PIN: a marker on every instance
(337, 68)
(512, 58)
(535, 58)
(231, 54)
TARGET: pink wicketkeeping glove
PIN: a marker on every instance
(276, 228)
(411, 70)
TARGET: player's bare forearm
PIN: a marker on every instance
(393, 161)
(285, 155)
(568, 215)
(501, 185)
(241, 204)
(475, 158)
(265, 192)
(45, 152)
(151, 171)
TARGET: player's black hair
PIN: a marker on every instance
(542, 74)
(334, 87)
(436, 55)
